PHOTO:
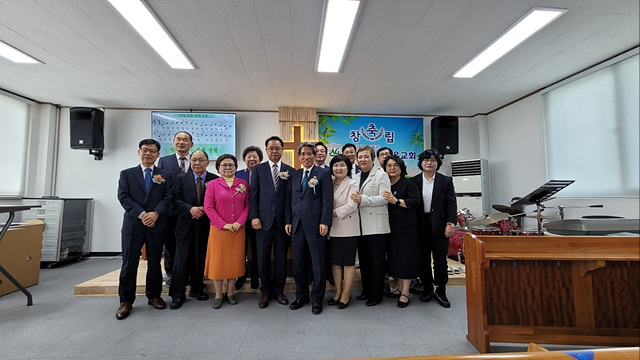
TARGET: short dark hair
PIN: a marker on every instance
(184, 132)
(383, 148)
(399, 161)
(307, 144)
(224, 157)
(348, 145)
(340, 158)
(266, 142)
(320, 143)
(427, 154)
(251, 148)
(369, 149)
(202, 151)
(149, 142)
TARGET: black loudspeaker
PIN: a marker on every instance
(87, 128)
(444, 134)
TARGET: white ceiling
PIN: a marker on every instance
(261, 54)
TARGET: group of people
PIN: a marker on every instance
(332, 216)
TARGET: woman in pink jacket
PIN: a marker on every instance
(226, 202)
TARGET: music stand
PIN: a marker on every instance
(543, 193)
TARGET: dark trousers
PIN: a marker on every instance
(251, 249)
(170, 245)
(436, 246)
(372, 252)
(266, 242)
(188, 267)
(317, 248)
(131, 251)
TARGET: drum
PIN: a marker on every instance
(485, 230)
(528, 232)
(456, 242)
(463, 217)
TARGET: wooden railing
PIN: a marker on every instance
(552, 290)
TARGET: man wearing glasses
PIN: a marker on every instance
(144, 191)
(266, 211)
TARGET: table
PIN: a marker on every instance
(11, 209)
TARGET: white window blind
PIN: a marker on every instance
(14, 121)
(592, 131)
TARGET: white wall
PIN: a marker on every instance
(517, 163)
(80, 176)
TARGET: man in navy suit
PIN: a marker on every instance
(192, 231)
(310, 195)
(267, 196)
(175, 165)
(349, 150)
(145, 194)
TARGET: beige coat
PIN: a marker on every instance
(347, 221)
(374, 215)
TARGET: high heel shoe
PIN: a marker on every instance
(402, 304)
(342, 305)
(332, 302)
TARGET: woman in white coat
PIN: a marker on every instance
(374, 225)
(345, 230)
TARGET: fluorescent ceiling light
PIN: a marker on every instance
(338, 23)
(139, 16)
(15, 55)
(528, 25)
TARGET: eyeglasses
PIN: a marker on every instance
(430, 160)
(227, 166)
(150, 151)
(391, 166)
(270, 149)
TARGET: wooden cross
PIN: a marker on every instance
(291, 147)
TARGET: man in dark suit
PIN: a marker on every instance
(310, 195)
(192, 231)
(437, 214)
(349, 150)
(145, 194)
(175, 165)
(267, 213)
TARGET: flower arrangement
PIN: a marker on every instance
(240, 189)
(284, 175)
(157, 179)
(313, 182)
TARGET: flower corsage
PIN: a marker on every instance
(284, 175)
(157, 179)
(240, 189)
(313, 182)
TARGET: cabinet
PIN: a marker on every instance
(67, 230)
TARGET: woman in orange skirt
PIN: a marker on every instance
(226, 202)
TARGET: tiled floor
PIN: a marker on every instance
(62, 326)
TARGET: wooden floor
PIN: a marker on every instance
(107, 284)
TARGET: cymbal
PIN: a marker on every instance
(543, 216)
(506, 209)
(489, 219)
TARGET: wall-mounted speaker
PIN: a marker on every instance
(87, 128)
(444, 134)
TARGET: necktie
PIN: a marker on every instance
(305, 180)
(147, 179)
(182, 165)
(199, 189)
(276, 175)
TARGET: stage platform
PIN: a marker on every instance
(107, 284)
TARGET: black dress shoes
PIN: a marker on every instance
(298, 303)
(403, 304)
(362, 297)
(282, 299)
(264, 301)
(441, 297)
(177, 303)
(372, 302)
(316, 308)
(427, 295)
(255, 282)
(124, 310)
(199, 295)
(342, 305)
(157, 303)
(332, 302)
(240, 281)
